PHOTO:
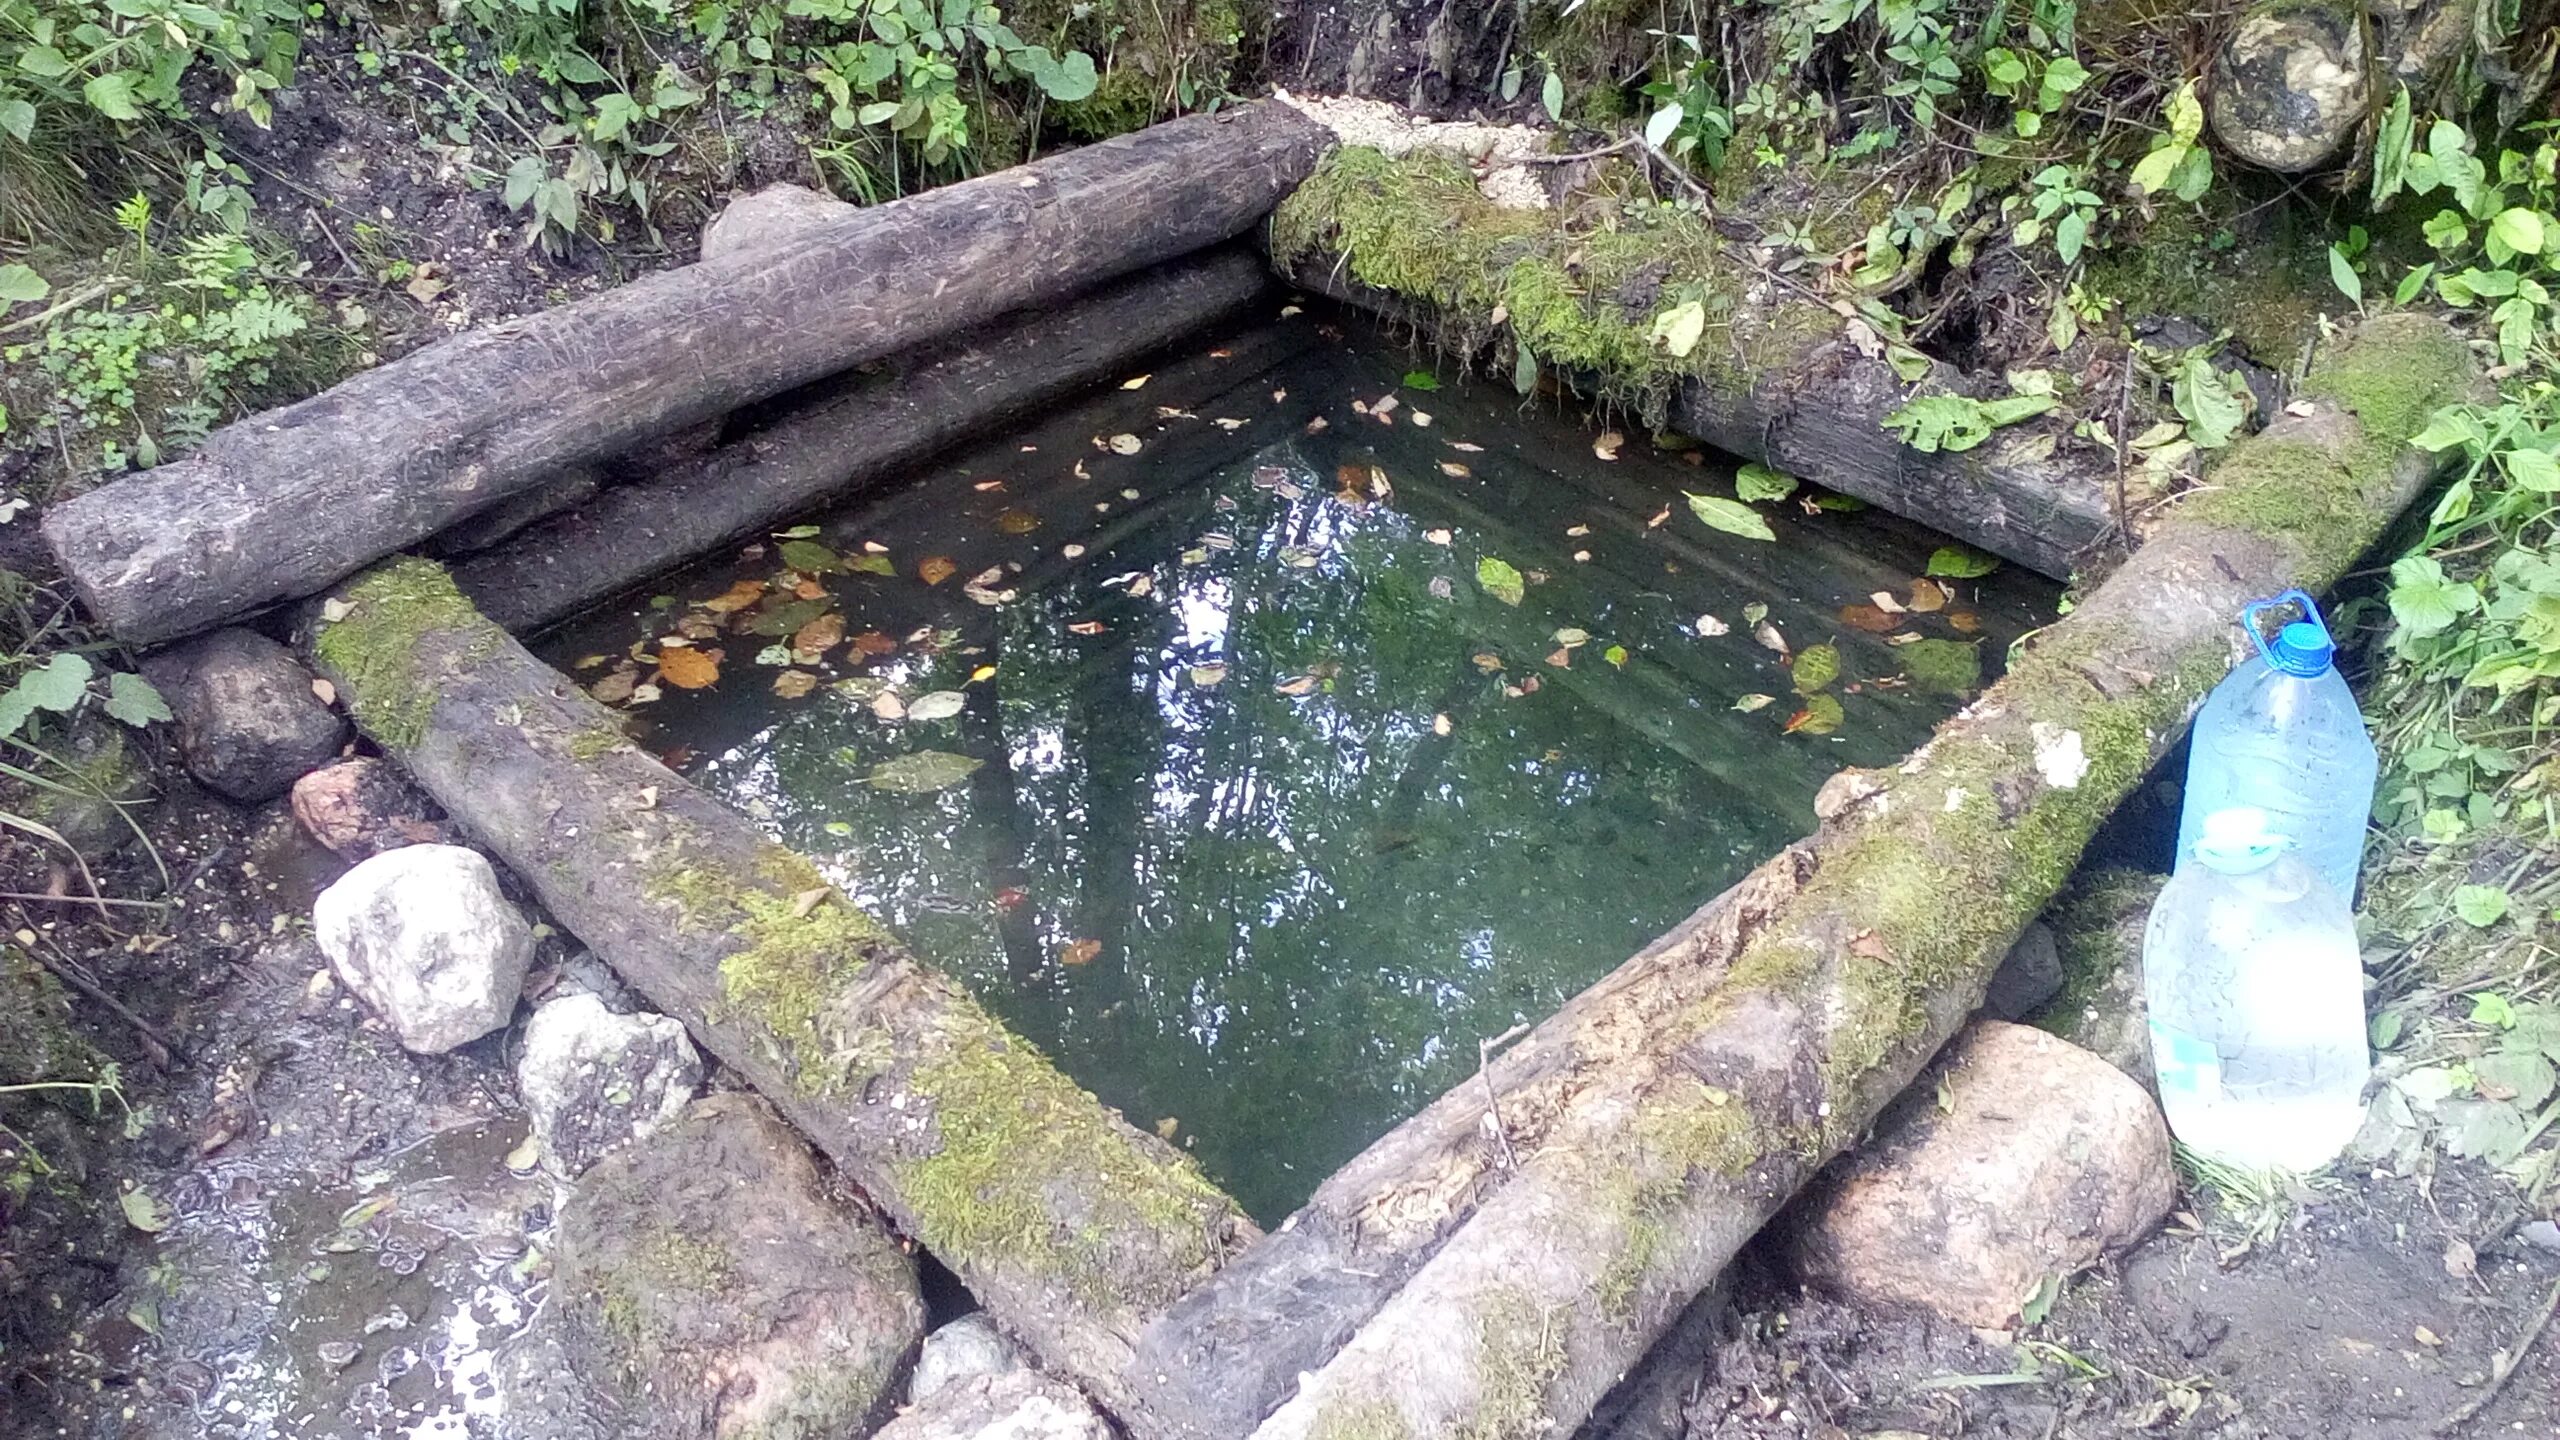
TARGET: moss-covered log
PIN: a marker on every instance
(852, 430)
(1659, 1119)
(1070, 1225)
(1777, 376)
(282, 504)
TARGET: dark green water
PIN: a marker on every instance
(1261, 842)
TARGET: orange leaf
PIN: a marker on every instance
(689, 668)
(792, 684)
(808, 589)
(1965, 622)
(934, 569)
(736, 597)
(1079, 952)
(1928, 595)
(1869, 618)
(820, 635)
(872, 642)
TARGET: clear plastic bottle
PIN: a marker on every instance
(2256, 995)
(2282, 734)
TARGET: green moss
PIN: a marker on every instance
(1123, 101)
(373, 648)
(2097, 930)
(1519, 1353)
(2269, 293)
(596, 740)
(1945, 667)
(1364, 1419)
(1692, 1128)
(656, 1272)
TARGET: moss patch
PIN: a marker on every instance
(373, 648)
(659, 1269)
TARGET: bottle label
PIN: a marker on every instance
(2188, 1064)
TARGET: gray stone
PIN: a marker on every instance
(1019, 1405)
(2029, 976)
(2017, 1160)
(965, 1349)
(248, 721)
(2289, 86)
(362, 807)
(708, 1285)
(2097, 928)
(424, 937)
(594, 1081)
(774, 213)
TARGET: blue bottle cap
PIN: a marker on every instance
(2302, 648)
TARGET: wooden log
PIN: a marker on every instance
(1499, 1284)
(1071, 1226)
(848, 432)
(1776, 378)
(282, 504)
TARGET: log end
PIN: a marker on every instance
(370, 631)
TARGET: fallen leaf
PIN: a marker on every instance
(1016, 522)
(1071, 551)
(1135, 383)
(983, 672)
(1885, 602)
(2460, 1260)
(1928, 597)
(1615, 655)
(1606, 447)
(1569, 637)
(1963, 622)
(1079, 952)
(143, 1211)
(1710, 626)
(1123, 444)
(1499, 579)
(1488, 662)
(984, 486)
(1561, 658)
(1422, 418)
(333, 611)
(1769, 638)
(792, 684)
(872, 642)
(1207, 675)
(1297, 685)
(934, 569)
(809, 557)
(737, 597)
(887, 706)
(1454, 470)
(1440, 725)
(2427, 1337)
(1467, 447)
(326, 693)
(1086, 627)
(1167, 1126)
(1577, 531)
(1438, 535)
(616, 687)
(1815, 668)
(937, 705)
(819, 636)
(809, 590)
(1869, 618)
(689, 668)
(1866, 945)
(922, 772)
(1749, 703)
(1820, 716)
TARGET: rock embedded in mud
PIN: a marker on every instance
(2289, 86)
(362, 807)
(776, 212)
(2030, 976)
(249, 723)
(965, 1349)
(594, 1081)
(709, 1285)
(2017, 1159)
(1018, 1405)
(2097, 927)
(424, 937)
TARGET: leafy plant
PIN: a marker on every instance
(1930, 423)
(2178, 162)
(2058, 200)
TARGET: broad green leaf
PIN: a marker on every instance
(1551, 95)
(133, 701)
(1816, 666)
(2343, 275)
(17, 119)
(921, 773)
(2519, 229)
(1497, 578)
(2493, 1009)
(870, 564)
(1730, 516)
(1678, 329)
(809, 557)
(143, 1211)
(877, 112)
(2205, 400)
(2532, 469)
(1421, 380)
(1820, 716)
(1524, 370)
(1946, 667)
(20, 283)
(2523, 1077)
(1757, 482)
(44, 62)
(2424, 599)
(2186, 113)
(56, 685)
(2480, 906)
(111, 95)
(2483, 1129)
(1958, 563)
(2151, 172)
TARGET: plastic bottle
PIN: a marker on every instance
(2282, 734)
(2256, 995)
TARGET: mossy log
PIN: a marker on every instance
(847, 431)
(284, 503)
(1070, 1225)
(1500, 1284)
(1775, 377)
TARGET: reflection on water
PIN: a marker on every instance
(1279, 811)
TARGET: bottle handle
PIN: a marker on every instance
(2257, 634)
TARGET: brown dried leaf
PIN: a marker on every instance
(689, 668)
(792, 684)
(934, 569)
(1079, 952)
(736, 597)
(819, 636)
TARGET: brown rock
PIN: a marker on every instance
(249, 723)
(362, 807)
(2017, 1159)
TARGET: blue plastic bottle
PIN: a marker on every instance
(2282, 734)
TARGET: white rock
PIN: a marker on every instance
(423, 936)
(965, 1349)
(1020, 1405)
(594, 1080)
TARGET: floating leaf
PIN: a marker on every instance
(820, 635)
(736, 597)
(775, 621)
(1958, 563)
(1815, 668)
(1079, 952)
(1749, 703)
(1123, 444)
(1454, 471)
(1756, 482)
(1820, 716)
(1927, 597)
(1949, 667)
(809, 557)
(793, 684)
(937, 705)
(1615, 655)
(1869, 618)
(1421, 380)
(1710, 626)
(1136, 382)
(1207, 675)
(1010, 521)
(615, 688)
(1569, 637)
(921, 773)
(1297, 685)
(689, 668)
(1498, 579)
(1730, 516)
(872, 642)
(870, 565)
(934, 569)
(887, 706)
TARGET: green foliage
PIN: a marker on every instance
(71, 66)
(2178, 163)
(1930, 423)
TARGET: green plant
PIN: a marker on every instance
(2058, 199)
(2178, 162)
(1930, 423)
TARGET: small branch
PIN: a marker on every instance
(2509, 1361)
(1628, 143)
(2124, 453)
(1493, 1097)
(72, 301)
(163, 1049)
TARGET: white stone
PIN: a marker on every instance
(424, 938)
(1019, 1405)
(965, 1349)
(594, 1080)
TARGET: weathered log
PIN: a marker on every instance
(284, 503)
(1661, 1116)
(848, 432)
(1071, 1226)
(1774, 378)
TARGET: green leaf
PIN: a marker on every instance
(2070, 234)
(1498, 579)
(1816, 666)
(1551, 95)
(2151, 172)
(2493, 1009)
(1730, 516)
(1075, 79)
(1615, 655)
(2424, 599)
(2532, 469)
(111, 95)
(1820, 716)
(921, 773)
(20, 283)
(1946, 667)
(1958, 563)
(1524, 370)
(131, 700)
(2384, 1032)
(1756, 482)
(1421, 380)
(937, 705)
(2204, 398)
(143, 1211)
(2482, 1129)
(875, 113)
(2343, 275)
(2391, 149)
(2519, 229)
(1679, 328)
(2186, 113)
(17, 119)
(44, 62)
(2480, 906)
(809, 557)
(56, 685)
(2524, 1077)
(869, 564)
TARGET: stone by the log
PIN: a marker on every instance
(2290, 84)
(364, 806)
(1018, 1405)
(764, 216)
(594, 1081)
(2030, 976)
(2097, 927)
(2021, 1159)
(965, 1349)
(710, 1286)
(424, 937)
(89, 806)
(249, 723)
